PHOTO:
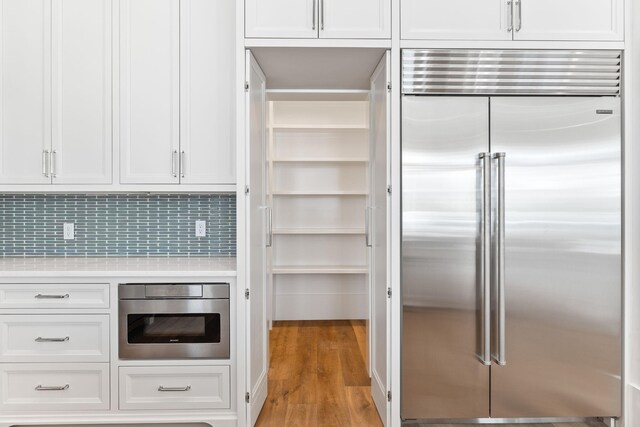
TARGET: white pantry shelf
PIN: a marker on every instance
(319, 193)
(319, 269)
(321, 231)
(318, 127)
(321, 160)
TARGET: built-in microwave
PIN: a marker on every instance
(173, 321)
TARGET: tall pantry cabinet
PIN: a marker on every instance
(176, 92)
(55, 90)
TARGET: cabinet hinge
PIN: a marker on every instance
(389, 189)
(389, 87)
(388, 292)
(246, 189)
(246, 86)
(389, 396)
(247, 397)
(246, 293)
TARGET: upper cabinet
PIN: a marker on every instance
(569, 20)
(149, 91)
(562, 20)
(176, 92)
(81, 92)
(56, 92)
(331, 19)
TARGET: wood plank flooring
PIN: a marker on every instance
(318, 376)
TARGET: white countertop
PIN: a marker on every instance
(118, 267)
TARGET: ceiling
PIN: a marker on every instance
(317, 68)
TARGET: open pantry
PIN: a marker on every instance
(318, 158)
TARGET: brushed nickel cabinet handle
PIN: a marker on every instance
(42, 296)
(313, 16)
(162, 388)
(519, 6)
(182, 163)
(45, 163)
(322, 15)
(54, 388)
(40, 339)
(54, 165)
(174, 160)
(510, 27)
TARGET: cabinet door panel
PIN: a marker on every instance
(81, 91)
(360, 19)
(570, 20)
(207, 92)
(455, 19)
(25, 118)
(281, 18)
(149, 91)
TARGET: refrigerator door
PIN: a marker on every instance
(442, 374)
(562, 253)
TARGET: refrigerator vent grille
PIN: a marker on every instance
(511, 72)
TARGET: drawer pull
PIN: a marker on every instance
(41, 296)
(40, 339)
(61, 388)
(187, 388)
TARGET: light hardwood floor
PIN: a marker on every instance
(318, 376)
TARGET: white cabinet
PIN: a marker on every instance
(455, 19)
(54, 295)
(149, 91)
(54, 338)
(81, 85)
(281, 18)
(56, 92)
(566, 20)
(569, 20)
(33, 387)
(207, 92)
(174, 387)
(25, 92)
(176, 92)
(358, 19)
(362, 19)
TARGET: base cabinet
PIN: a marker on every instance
(28, 387)
(174, 387)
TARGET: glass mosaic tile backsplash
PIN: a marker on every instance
(117, 225)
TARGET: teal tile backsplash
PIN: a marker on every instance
(117, 225)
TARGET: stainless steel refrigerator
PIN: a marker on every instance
(512, 235)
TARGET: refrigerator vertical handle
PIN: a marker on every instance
(484, 353)
(500, 356)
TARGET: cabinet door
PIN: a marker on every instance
(282, 18)
(456, 19)
(569, 19)
(149, 91)
(81, 137)
(207, 76)
(25, 112)
(358, 19)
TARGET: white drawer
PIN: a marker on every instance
(185, 387)
(28, 387)
(54, 295)
(54, 338)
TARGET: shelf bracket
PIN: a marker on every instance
(247, 293)
(247, 397)
(388, 292)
